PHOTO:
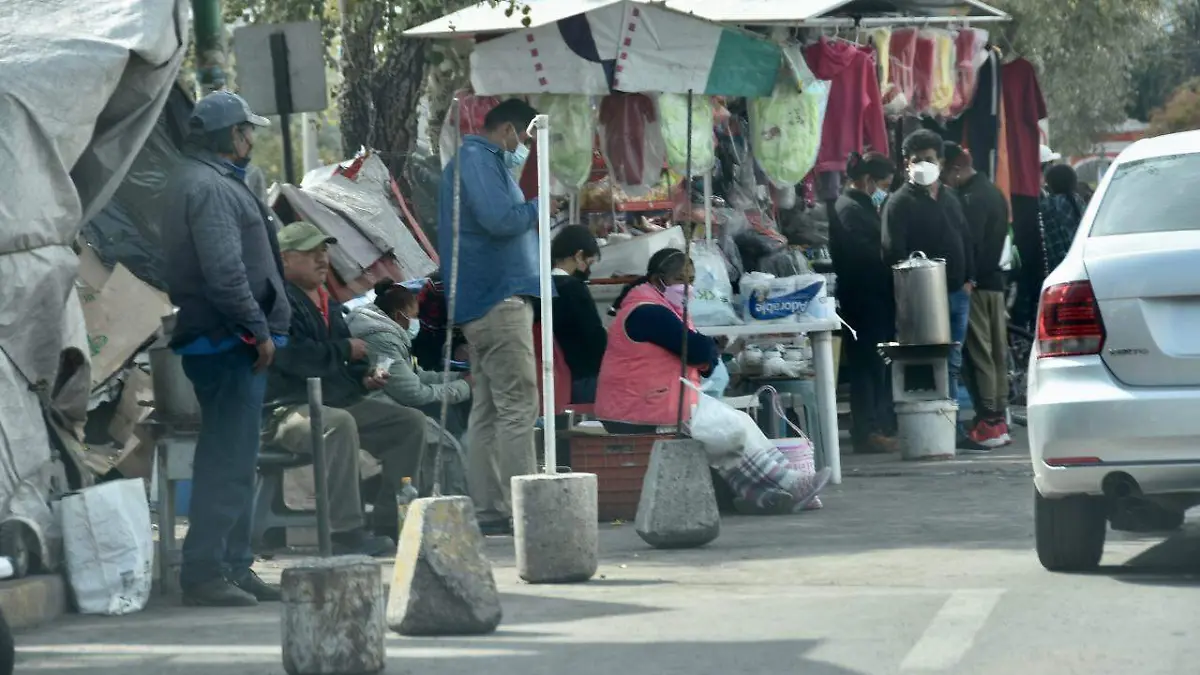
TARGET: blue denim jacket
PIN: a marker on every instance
(498, 239)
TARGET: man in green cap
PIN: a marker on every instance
(320, 345)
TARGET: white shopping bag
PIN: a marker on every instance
(109, 547)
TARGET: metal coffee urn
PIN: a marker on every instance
(925, 416)
(922, 303)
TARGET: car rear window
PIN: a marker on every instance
(1151, 195)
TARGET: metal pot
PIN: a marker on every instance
(174, 399)
(922, 302)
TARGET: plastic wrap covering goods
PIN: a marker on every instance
(674, 111)
(474, 110)
(81, 87)
(786, 128)
(902, 50)
(127, 229)
(944, 73)
(970, 54)
(363, 198)
(631, 141)
(572, 137)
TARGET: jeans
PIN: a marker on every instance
(224, 470)
(960, 315)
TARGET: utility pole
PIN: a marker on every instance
(209, 28)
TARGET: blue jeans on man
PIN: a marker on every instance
(221, 512)
(960, 314)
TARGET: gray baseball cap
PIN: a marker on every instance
(224, 109)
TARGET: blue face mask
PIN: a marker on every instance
(515, 158)
(878, 196)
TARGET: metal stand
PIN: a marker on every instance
(316, 417)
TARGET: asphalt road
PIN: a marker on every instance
(907, 570)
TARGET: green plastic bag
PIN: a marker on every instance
(572, 136)
(673, 111)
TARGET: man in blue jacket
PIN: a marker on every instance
(225, 275)
(497, 280)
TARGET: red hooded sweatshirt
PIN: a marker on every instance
(854, 117)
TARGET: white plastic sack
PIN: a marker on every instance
(713, 303)
(109, 547)
(715, 384)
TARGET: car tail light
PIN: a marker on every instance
(1069, 322)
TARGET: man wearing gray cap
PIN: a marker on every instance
(224, 273)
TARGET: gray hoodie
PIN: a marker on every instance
(407, 383)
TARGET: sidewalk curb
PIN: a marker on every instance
(33, 601)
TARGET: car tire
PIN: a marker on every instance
(1070, 532)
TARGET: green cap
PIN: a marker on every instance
(303, 237)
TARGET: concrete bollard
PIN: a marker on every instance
(556, 527)
(333, 617)
(443, 582)
(678, 508)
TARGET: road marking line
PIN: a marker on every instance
(952, 631)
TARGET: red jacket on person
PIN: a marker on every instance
(854, 116)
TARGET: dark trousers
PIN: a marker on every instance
(871, 408)
(1027, 236)
(224, 470)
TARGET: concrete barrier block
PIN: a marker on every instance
(556, 527)
(678, 508)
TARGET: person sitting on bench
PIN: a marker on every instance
(319, 345)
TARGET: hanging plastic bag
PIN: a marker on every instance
(674, 111)
(713, 303)
(785, 129)
(572, 137)
(109, 547)
(631, 142)
(716, 383)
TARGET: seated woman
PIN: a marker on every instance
(388, 327)
(639, 387)
(578, 330)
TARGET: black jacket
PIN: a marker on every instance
(864, 280)
(578, 329)
(315, 350)
(986, 211)
(914, 221)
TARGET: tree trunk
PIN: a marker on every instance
(398, 85)
(355, 100)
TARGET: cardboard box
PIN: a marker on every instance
(120, 315)
(130, 411)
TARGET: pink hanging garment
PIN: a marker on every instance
(923, 66)
(969, 58)
(631, 139)
(854, 114)
(902, 52)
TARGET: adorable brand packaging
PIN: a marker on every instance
(768, 299)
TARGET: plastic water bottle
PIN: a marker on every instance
(408, 493)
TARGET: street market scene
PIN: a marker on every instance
(588, 336)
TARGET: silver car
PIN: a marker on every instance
(1114, 378)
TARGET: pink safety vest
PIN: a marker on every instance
(639, 381)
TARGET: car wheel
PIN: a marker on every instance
(1070, 532)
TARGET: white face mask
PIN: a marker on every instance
(923, 173)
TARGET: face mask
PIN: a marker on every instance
(582, 275)
(878, 196)
(675, 295)
(414, 329)
(923, 173)
(515, 158)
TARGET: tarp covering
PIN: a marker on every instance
(81, 87)
(626, 46)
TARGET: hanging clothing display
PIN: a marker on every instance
(572, 135)
(923, 71)
(673, 108)
(978, 127)
(854, 117)
(944, 73)
(881, 39)
(970, 54)
(473, 110)
(1003, 166)
(631, 141)
(1024, 107)
(902, 49)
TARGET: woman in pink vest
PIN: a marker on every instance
(638, 387)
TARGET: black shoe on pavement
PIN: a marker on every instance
(496, 528)
(261, 590)
(218, 593)
(362, 542)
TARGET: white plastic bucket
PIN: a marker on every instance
(928, 429)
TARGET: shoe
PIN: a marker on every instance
(989, 434)
(1002, 426)
(809, 487)
(261, 590)
(361, 542)
(218, 593)
(496, 528)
